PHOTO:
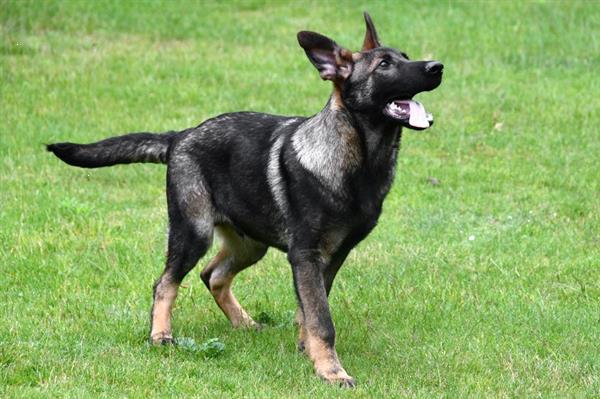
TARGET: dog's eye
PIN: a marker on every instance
(384, 64)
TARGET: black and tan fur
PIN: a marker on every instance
(312, 187)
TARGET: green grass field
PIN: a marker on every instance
(487, 284)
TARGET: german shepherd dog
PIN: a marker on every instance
(311, 187)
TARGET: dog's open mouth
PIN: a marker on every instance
(409, 113)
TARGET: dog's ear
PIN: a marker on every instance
(333, 62)
(371, 39)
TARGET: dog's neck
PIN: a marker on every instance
(379, 137)
(381, 142)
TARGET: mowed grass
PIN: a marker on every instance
(486, 284)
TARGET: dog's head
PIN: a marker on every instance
(377, 81)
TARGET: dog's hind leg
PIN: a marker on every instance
(185, 248)
(236, 254)
(191, 224)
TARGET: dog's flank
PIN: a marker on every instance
(275, 177)
(312, 187)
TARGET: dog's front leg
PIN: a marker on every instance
(318, 329)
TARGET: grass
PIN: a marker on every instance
(484, 285)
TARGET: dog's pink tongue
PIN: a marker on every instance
(418, 115)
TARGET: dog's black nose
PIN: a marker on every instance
(434, 67)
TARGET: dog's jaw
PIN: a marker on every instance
(409, 113)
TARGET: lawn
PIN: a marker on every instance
(481, 279)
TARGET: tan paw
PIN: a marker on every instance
(337, 376)
(161, 338)
(246, 323)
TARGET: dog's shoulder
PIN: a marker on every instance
(328, 146)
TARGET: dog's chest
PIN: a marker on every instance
(347, 235)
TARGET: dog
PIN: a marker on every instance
(312, 187)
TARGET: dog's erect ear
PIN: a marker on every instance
(371, 39)
(333, 62)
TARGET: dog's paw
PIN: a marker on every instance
(248, 324)
(348, 382)
(161, 338)
(337, 376)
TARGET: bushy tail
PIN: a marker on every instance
(134, 147)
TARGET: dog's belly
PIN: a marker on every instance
(261, 228)
(251, 209)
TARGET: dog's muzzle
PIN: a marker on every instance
(411, 113)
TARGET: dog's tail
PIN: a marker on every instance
(130, 148)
